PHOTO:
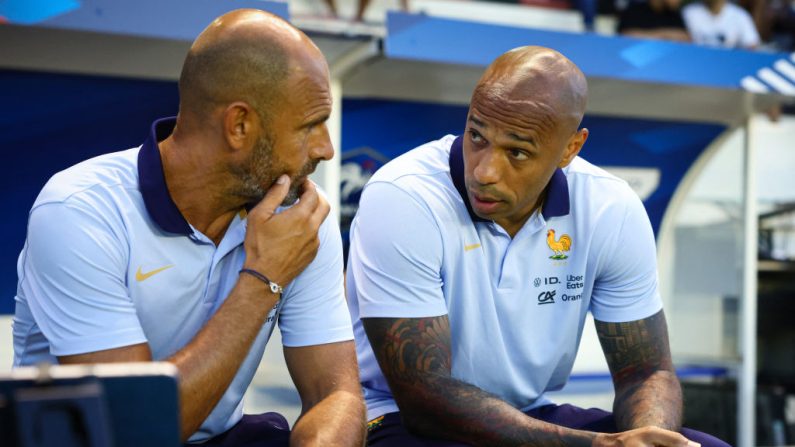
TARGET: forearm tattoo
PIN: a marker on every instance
(636, 348)
(639, 357)
(411, 348)
(415, 357)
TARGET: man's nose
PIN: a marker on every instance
(487, 170)
(320, 146)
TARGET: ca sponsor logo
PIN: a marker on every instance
(547, 297)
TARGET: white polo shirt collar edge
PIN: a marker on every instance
(152, 181)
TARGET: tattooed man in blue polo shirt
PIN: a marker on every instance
(473, 263)
(178, 250)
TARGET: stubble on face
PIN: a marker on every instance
(260, 172)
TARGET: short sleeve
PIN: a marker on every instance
(75, 279)
(396, 256)
(750, 36)
(314, 310)
(625, 288)
(689, 14)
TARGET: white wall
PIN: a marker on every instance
(6, 344)
(701, 260)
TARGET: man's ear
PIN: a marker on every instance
(573, 147)
(240, 125)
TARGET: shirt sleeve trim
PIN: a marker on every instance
(333, 335)
(98, 342)
(401, 311)
(626, 315)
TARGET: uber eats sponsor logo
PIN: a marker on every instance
(574, 282)
(571, 281)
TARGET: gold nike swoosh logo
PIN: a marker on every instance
(471, 247)
(140, 276)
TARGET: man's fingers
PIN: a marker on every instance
(684, 442)
(320, 213)
(316, 205)
(276, 194)
(659, 436)
(309, 196)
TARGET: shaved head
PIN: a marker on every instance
(244, 55)
(540, 77)
(523, 125)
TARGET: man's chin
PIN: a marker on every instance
(293, 194)
(290, 200)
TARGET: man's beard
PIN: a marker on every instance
(260, 172)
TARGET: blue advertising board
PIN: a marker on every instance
(57, 121)
(172, 19)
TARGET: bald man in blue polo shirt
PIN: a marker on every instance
(473, 262)
(179, 250)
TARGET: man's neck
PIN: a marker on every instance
(716, 6)
(513, 227)
(195, 184)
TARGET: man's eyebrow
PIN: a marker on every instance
(524, 139)
(477, 121)
(318, 120)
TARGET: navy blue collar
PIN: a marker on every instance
(557, 200)
(152, 181)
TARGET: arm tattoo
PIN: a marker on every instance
(647, 390)
(412, 347)
(637, 348)
(415, 356)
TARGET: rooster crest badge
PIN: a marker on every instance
(558, 246)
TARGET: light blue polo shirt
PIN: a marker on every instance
(516, 305)
(109, 261)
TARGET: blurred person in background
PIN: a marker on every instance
(362, 5)
(775, 21)
(654, 19)
(720, 23)
(361, 8)
(588, 8)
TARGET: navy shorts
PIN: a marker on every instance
(254, 430)
(389, 432)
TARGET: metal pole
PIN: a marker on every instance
(746, 379)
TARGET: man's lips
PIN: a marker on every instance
(484, 204)
(485, 198)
